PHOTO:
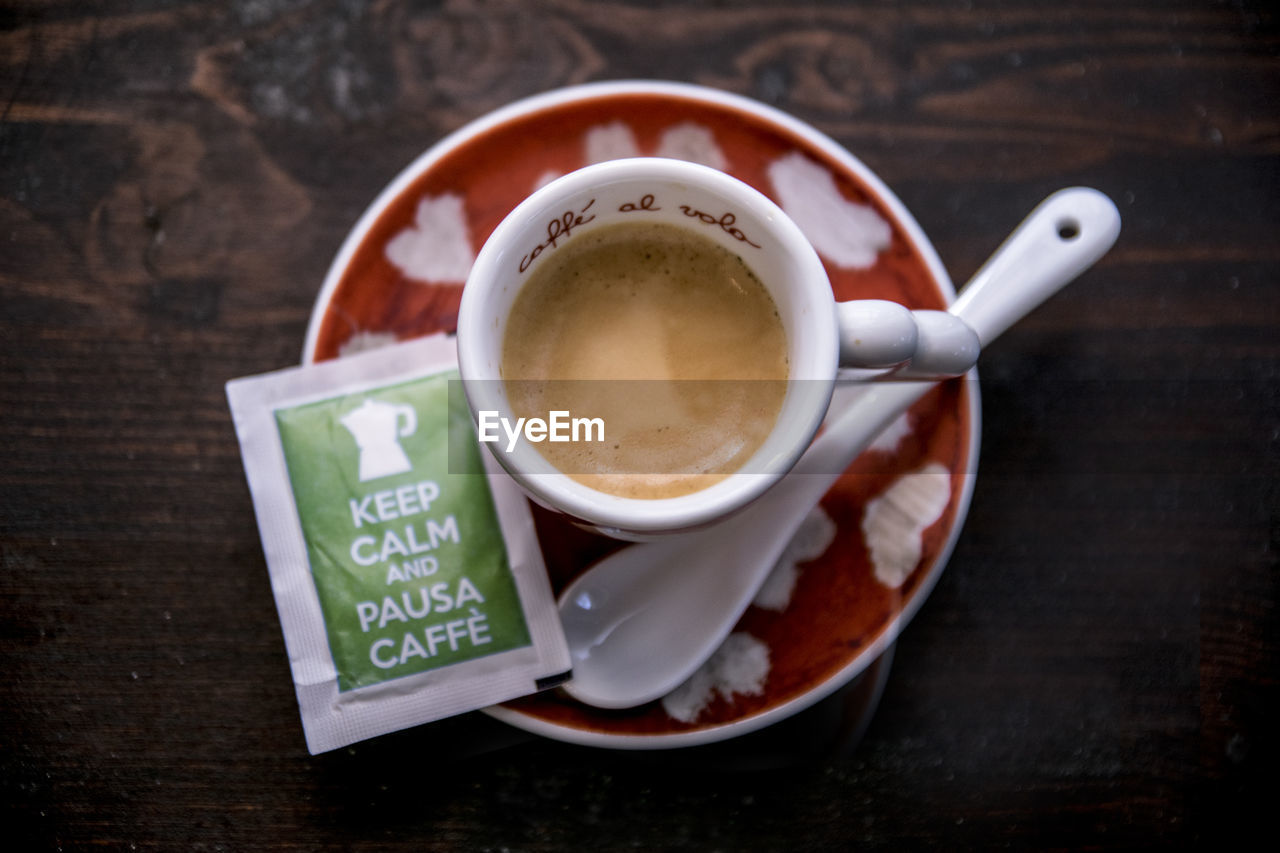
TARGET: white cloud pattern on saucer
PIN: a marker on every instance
(846, 233)
(888, 440)
(812, 539)
(894, 521)
(739, 666)
(435, 248)
(694, 143)
(614, 141)
(365, 341)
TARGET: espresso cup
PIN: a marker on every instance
(824, 340)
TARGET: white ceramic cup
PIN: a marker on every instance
(872, 337)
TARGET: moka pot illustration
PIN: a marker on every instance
(377, 428)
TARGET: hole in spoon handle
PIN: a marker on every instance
(1064, 236)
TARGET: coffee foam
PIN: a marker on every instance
(667, 337)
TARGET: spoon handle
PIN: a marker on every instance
(1065, 235)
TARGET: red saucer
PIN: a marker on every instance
(840, 616)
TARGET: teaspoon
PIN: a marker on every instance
(641, 621)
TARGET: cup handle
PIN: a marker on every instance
(881, 339)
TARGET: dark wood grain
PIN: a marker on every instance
(1098, 666)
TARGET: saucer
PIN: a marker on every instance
(866, 559)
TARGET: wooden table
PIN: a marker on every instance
(1098, 664)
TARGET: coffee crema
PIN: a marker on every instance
(668, 338)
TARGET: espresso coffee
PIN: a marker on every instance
(667, 338)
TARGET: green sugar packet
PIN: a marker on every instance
(406, 571)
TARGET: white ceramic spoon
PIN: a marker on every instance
(642, 620)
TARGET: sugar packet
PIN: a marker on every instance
(405, 569)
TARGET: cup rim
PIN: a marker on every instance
(645, 516)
